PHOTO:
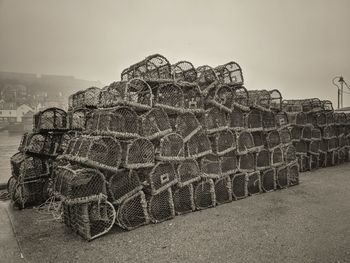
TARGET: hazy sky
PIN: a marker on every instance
(296, 46)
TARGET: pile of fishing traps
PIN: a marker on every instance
(168, 140)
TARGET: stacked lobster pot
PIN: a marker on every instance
(32, 165)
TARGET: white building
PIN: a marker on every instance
(14, 115)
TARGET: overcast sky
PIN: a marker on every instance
(296, 46)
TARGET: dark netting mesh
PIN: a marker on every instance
(31, 168)
(112, 95)
(291, 106)
(254, 120)
(138, 153)
(236, 120)
(329, 118)
(204, 194)
(27, 193)
(277, 156)
(259, 139)
(263, 160)
(239, 186)
(314, 147)
(289, 154)
(222, 97)
(184, 71)
(16, 162)
(282, 177)
(207, 78)
(161, 177)
(152, 67)
(188, 172)
(210, 166)
(66, 139)
(84, 98)
(193, 99)
(24, 142)
(332, 144)
(314, 161)
(199, 145)
(154, 124)
(343, 141)
(293, 174)
(246, 162)
(306, 133)
(323, 159)
(187, 125)
(51, 119)
(327, 105)
(183, 199)
(223, 142)
(240, 98)
(304, 163)
(223, 190)
(11, 186)
(275, 100)
(228, 163)
(273, 139)
(297, 118)
(171, 148)
(328, 132)
(254, 183)
(170, 97)
(161, 206)
(245, 142)
(138, 94)
(321, 119)
(340, 118)
(281, 119)
(132, 212)
(44, 144)
(214, 120)
(311, 118)
(123, 184)
(78, 118)
(230, 73)
(285, 136)
(89, 217)
(295, 132)
(268, 180)
(268, 120)
(260, 99)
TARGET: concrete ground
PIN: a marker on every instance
(305, 223)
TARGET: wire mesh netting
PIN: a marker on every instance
(184, 71)
(183, 199)
(210, 166)
(259, 99)
(87, 98)
(328, 132)
(161, 206)
(282, 177)
(160, 178)
(306, 133)
(137, 153)
(285, 136)
(171, 148)
(44, 144)
(228, 163)
(187, 125)
(204, 194)
(223, 142)
(314, 147)
(154, 124)
(214, 120)
(220, 96)
(259, 140)
(193, 99)
(246, 162)
(51, 119)
(268, 120)
(230, 73)
(29, 167)
(268, 180)
(273, 139)
(236, 120)
(240, 98)
(297, 118)
(170, 97)
(263, 160)
(188, 172)
(199, 145)
(77, 119)
(277, 156)
(254, 183)
(289, 154)
(223, 190)
(207, 78)
(295, 132)
(254, 120)
(321, 119)
(239, 186)
(245, 142)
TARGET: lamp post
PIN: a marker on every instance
(340, 88)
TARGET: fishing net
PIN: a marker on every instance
(239, 186)
(259, 140)
(259, 99)
(161, 177)
(268, 120)
(268, 180)
(282, 177)
(289, 154)
(51, 119)
(254, 120)
(306, 133)
(228, 163)
(276, 157)
(214, 120)
(204, 194)
(171, 148)
(193, 99)
(275, 100)
(88, 98)
(236, 120)
(137, 153)
(199, 145)
(245, 142)
(183, 199)
(170, 97)
(281, 119)
(295, 132)
(210, 166)
(254, 183)
(293, 174)
(230, 73)
(297, 118)
(207, 78)
(154, 124)
(223, 142)
(184, 71)
(188, 172)
(285, 136)
(77, 119)
(273, 139)
(223, 190)
(246, 162)
(132, 212)
(187, 125)
(263, 160)
(161, 206)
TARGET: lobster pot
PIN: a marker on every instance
(321, 119)
(275, 100)
(24, 141)
(29, 167)
(293, 174)
(236, 120)
(281, 119)
(316, 134)
(322, 159)
(259, 99)
(304, 163)
(89, 217)
(230, 73)
(75, 181)
(228, 163)
(207, 78)
(138, 153)
(132, 212)
(171, 148)
(188, 172)
(331, 144)
(223, 142)
(170, 98)
(221, 97)
(214, 120)
(311, 118)
(282, 177)
(66, 139)
(199, 145)
(314, 161)
(123, 184)
(184, 71)
(24, 194)
(268, 120)
(297, 118)
(343, 141)
(77, 119)
(245, 142)
(161, 206)
(273, 139)
(254, 120)
(259, 140)
(254, 183)
(314, 147)
(268, 180)
(204, 194)
(292, 106)
(306, 133)
(154, 124)
(121, 122)
(153, 67)
(329, 132)
(340, 118)
(327, 105)
(246, 162)
(295, 132)
(277, 157)
(138, 94)
(187, 125)
(239, 186)
(240, 98)
(51, 119)
(301, 147)
(16, 162)
(183, 199)
(330, 118)
(285, 136)
(223, 190)
(70, 147)
(193, 99)
(84, 98)
(263, 160)
(44, 144)
(211, 166)
(289, 154)
(340, 130)
(160, 178)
